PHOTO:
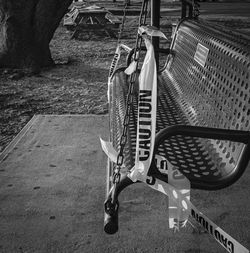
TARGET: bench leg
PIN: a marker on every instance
(111, 205)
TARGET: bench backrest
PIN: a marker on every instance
(210, 69)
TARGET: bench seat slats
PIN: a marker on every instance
(218, 94)
(186, 153)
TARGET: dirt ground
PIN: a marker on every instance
(76, 85)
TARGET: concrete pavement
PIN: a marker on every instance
(52, 187)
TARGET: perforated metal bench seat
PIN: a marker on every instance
(206, 83)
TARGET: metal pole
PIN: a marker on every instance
(155, 21)
(183, 9)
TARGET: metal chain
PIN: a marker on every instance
(129, 100)
(123, 139)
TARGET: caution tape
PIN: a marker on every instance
(113, 67)
(224, 239)
(176, 196)
(146, 123)
(114, 63)
(151, 31)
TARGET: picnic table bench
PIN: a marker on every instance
(203, 110)
(91, 20)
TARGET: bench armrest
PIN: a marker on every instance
(209, 133)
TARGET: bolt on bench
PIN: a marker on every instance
(203, 111)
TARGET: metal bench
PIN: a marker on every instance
(203, 111)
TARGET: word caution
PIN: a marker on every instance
(145, 109)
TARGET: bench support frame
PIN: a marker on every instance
(112, 203)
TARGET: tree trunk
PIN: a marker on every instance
(26, 29)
